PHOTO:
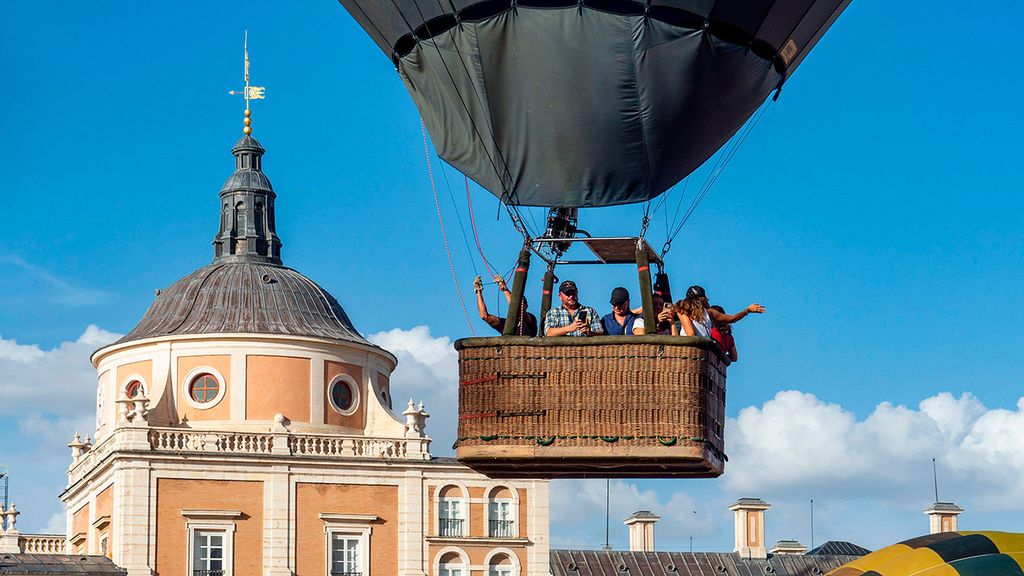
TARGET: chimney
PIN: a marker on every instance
(750, 527)
(641, 531)
(942, 517)
(788, 548)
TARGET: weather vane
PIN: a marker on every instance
(250, 92)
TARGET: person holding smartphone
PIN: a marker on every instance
(572, 318)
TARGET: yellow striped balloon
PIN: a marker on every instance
(944, 554)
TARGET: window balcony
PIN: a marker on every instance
(501, 529)
(451, 527)
(346, 574)
(209, 572)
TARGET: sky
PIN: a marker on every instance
(874, 210)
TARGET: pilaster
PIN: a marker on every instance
(412, 523)
(277, 523)
(131, 517)
(538, 518)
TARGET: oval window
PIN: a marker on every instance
(342, 395)
(133, 388)
(204, 388)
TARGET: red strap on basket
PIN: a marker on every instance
(643, 268)
(477, 415)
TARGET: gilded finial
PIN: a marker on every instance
(250, 92)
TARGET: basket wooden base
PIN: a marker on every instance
(629, 406)
(617, 462)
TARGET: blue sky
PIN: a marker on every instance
(873, 210)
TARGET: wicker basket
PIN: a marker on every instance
(614, 406)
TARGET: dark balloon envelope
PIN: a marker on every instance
(589, 102)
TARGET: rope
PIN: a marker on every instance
(458, 216)
(476, 235)
(444, 235)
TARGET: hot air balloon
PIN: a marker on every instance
(944, 554)
(568, 104)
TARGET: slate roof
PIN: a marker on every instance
(33, 564)
(839, 547)
(616, 563)
(249, 298)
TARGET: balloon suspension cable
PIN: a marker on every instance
(458, 214)
(720, 165)
(444, 235)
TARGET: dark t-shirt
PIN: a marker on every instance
(527, 325)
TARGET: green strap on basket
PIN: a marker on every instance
(546, 441)
(667, 441)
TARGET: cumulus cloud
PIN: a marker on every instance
(51, 393)
(796, 442)
(58, 381)
(428, 370)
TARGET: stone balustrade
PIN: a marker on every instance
(41, 543)
(277, 443)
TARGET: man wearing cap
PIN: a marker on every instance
(622, 321)
(571, 318)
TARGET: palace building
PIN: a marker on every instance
(245, 427)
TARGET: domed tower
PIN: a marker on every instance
(246, 343)
(244, 427)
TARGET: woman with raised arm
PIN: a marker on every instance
(696, 316)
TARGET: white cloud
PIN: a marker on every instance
(428, 370)
(51, 393)
(56, 524)
(796, 444)
(57, 381)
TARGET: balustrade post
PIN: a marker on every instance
(9, 538)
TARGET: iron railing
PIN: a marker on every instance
(346, 574)
(451, 526)
(209, 572)
(501, 529)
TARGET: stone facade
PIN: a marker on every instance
(278, 487)
(273, 448)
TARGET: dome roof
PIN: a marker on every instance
(248, 298)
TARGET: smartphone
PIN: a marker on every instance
(582, 316)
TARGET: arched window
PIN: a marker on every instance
(452, 512)
(501, 565)
(133, 388)
(451, 564)
(240, 219)
(501, 513)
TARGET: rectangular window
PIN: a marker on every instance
(208, 553)
(452, 519)
(500, 520)
(345, 557)
(500, 571)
